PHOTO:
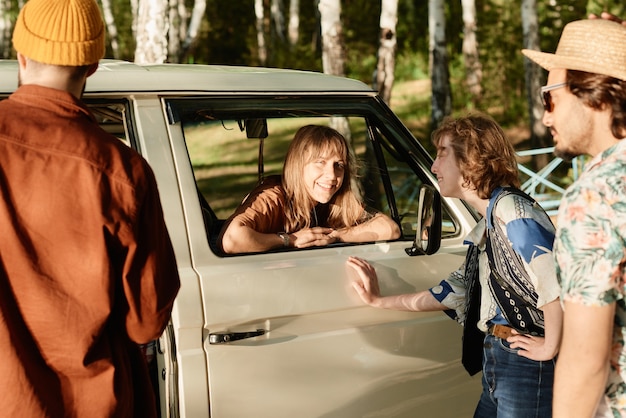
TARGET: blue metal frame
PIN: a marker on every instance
(541, 185)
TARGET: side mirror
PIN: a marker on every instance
(428, 232)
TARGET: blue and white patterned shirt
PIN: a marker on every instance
(531, 234)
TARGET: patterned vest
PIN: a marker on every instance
(509, 281)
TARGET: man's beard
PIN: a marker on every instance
(565, 155)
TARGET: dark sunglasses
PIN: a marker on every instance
(546, 97)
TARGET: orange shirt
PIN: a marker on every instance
(263, 209)
(87, 270)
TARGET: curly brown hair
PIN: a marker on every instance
(485, 157)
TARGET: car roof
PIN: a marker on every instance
(114, 76)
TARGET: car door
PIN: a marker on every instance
(284, 333)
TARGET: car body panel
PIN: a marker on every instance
(323, 353)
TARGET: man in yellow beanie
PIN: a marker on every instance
(87, 269)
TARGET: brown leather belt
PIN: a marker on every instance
(500, 331)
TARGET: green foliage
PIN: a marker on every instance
(554, 16)
(361, 66)
(412, 28)
(616, 7)
(500, 41)
(228, 36)
(411, 66)
(125, 39)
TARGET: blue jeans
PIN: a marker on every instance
(514, 386)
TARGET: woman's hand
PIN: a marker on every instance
(311, 237)
(366, 285)
(534, 348)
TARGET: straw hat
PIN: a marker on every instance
(593, 45)
(60, 32)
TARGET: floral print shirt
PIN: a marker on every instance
(590, 250)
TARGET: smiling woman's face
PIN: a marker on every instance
(323, 176)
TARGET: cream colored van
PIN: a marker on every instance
(282, 334)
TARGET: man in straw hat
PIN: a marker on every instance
(87, 270)
(585, 109)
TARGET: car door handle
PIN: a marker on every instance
(227, 337)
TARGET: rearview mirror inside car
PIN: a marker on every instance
(256, 128)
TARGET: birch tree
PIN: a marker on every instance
(184, 27)
(259, 12)
(387, 49)
(333, 54)
(175, 25)
(197, 13)
(152, 29)
(533, 75)
(333, 50)
(134, 11)
(166, 30)
(473, 68)
(278, 17)
(109, 21)
(441, 99)
(6, 28)
(294, 22)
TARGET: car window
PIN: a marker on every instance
(112, 116)
(405, 184)
(235, 144)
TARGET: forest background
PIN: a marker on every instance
(437, 57)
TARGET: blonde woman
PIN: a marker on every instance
(313, 204)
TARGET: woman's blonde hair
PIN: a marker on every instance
(485, 157)
(309, 143)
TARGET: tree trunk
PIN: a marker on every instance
(473, 68)
(441, 97)
(259, 12)
(6, 28)
(533, 74)
(109, 20)
(151, 32)
(197, 14)
(134, 10)
(387, 49)
(175, 28)
(294, 22)
(278, 17)
(333, 51)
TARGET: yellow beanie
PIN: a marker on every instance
(60, 32)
